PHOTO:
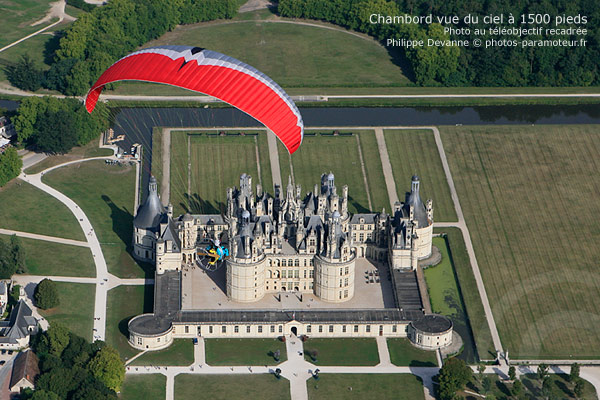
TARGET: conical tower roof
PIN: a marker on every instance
(149, 214)
(414, 199)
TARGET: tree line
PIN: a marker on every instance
(12, 257)
(71, 368)
(469, 66)
(100, 37)
(55, 125)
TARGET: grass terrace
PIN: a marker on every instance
(243, 351)
(49, 258)
(18, 17)
(212, 387)
(525, 192)
(180, 352)
(446, 298)
(213, 167)
(365, 386)
(124, 303)
(76, 308)
(413, 151)
(322, 153)
(355, 351)
(143, 387)
(106, 194)
(404, 354)
(28, 209)
(469, 292)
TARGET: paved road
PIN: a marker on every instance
(274, 158)
(387, 168)
(44, 237)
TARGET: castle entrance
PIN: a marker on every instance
(294, 331)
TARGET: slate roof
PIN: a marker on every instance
(149, 214)
(18, 325)
(368, 218)
(24, 366)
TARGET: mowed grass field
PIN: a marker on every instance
(76, 308)
(365, 386)
(321, 154)
(143, 387)
(17, 17)
(225, 387)
(293, 55)
(413, 151)
(215, 163)
(106, 194)
(529, 198)
(28, 209)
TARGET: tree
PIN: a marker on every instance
(547, 387)
(517, 388)
(480, 371)
(14, 295)
(108, 368)
(10, 165)
(542, 371)
(25, 75)
(512, 373)
(18, 254)
(56, 77)
(579, 386)
(487, 384)
(574, 374)
(7, 266)
(453, 376)
(44, 395)
(56, 338)
(46, 295)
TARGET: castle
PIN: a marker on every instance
(287, 243)
(283, 245)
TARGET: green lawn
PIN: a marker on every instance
(365, 386)
(415, 152)
(470, 294)
(446, 299)
(77, 153)
(243, 351)
(106, 194)
(48, 258)
(356, 351)
(293, 55)
(323, 154)
(76, 309)
(124, 303)
(375, 177)
(18, 16)
(226, 387)
(180, 352)
(525, 192)
(156, 166)
(28, 209)
(143, 387)
(404, 354)
(213, 169)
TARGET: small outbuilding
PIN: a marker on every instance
(25, 371)
(430, 332)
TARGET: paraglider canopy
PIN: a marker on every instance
(214, 74)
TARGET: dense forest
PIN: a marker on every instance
(471, 66)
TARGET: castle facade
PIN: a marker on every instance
(287, 242)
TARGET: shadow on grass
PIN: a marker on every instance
(359, 207)
(417, 363)
(502, 387)
(148, 308)
(197, 205)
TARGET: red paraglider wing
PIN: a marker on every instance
(213, 74)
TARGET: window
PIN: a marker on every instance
(224, 329)
(310, 285)
(260, 329)
(296, 273)
(290, 263)
(187, 329)
(344, 328)
(355, 328)
(236, 329)
(340, 283)
(283, 263)
(311, 273)
(341, 271)
(312, 242)
(280, 328)
(361, 237)
(346, 282)
(345, 293)
(340, 294)
(394, 328)
(248, 329)
(309, 329)
(320, 328)
(346, 270)
(330, 328)
(139, 340)
(297, 262)
(210, 329)
(158, 340)
(305, 274)
(272, 328)
(283, 274)
(368, 328)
